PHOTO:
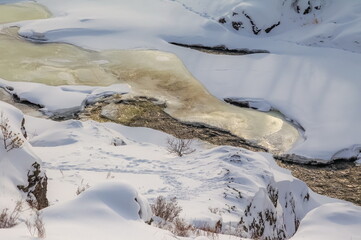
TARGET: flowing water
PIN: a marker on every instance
(150, 73)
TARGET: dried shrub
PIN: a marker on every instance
(180, 147)
(36, 227)
(11, 140)
(167, 210)
(82, 187)
(211, 231)
(181, 228)
(10, 219)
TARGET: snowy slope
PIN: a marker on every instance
(319, 88)
(237, 184)
(116, 207)
(325, 23)
(225, 184)
(15, 163)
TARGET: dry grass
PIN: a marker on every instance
(36, 227)
(10, 219)
(181, 228)
(167, 210)
(82, 187)
(11, 140)
(168, 213)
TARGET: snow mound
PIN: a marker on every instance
(105, 199)
(331, 221)
(106, 211)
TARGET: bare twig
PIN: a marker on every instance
(11, 140)
(180, 146)
(37, 226)
(9, 220)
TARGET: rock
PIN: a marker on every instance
(37, 188)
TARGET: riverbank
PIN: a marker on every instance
(340, 180)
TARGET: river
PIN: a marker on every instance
(150, 73)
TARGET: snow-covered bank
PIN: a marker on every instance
(318, 88)
(245, 191)
(111, 210)
(20, 167)
(60, 101)
(323, 23)
(236, 183)
(329, 23)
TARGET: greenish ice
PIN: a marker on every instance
(150, 73)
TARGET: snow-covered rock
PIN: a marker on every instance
(21, 176)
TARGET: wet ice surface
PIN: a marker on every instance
(22, 11)
(150, 73)
(51, 64)
(163, 75)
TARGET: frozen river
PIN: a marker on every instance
(150, 73)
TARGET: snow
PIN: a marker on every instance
(325, 223)
(311, 76)
(302, 86)
(60, 100)
(77, 154)
(119, 198)
(14, 164)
